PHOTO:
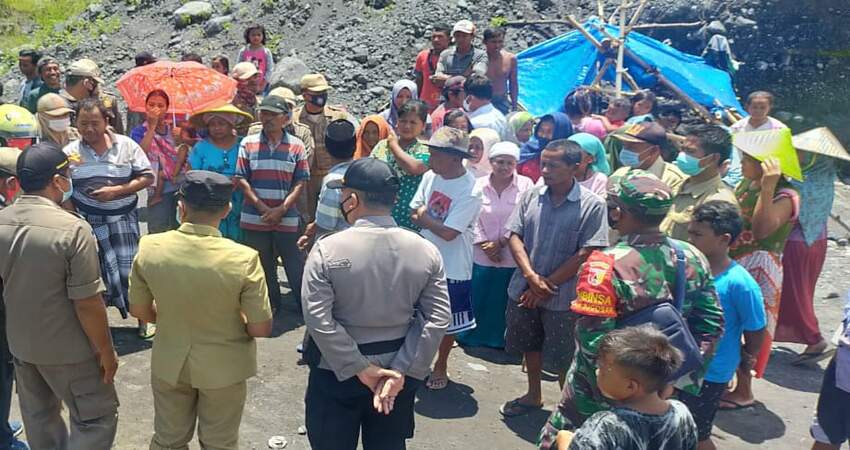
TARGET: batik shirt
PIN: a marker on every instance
(627, 429)
(639, 271)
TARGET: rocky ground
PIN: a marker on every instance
(465, 415)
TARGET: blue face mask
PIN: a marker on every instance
(688, 164)
(67, 195)
(629, 158)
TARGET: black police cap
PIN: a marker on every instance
(368, 175)
(206, 189)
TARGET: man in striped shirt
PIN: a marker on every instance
(272, 171)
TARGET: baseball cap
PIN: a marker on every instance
(243, 71)
(275, 104)
(39, 163)
(648, 132)
(53, 105)
(314, 82)
(340, 135)
(85, 68)
(286, 94)
(464, 26)
(368, 175)
(450, 140)
(9, 160)
(205, 188)
(642, 191)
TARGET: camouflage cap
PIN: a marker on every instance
(641, 191)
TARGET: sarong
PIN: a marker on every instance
(802, 266)
(766, 269)
(489, 301)
(117, 241)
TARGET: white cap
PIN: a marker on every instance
(243, 71)
(464, 26)
(505, 149)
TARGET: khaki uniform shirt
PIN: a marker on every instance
(109, 101)
(321, 161)
(690, 197)
(666, 172)
(49, 259)
(370, 283)
(202, 284)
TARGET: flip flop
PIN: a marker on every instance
(515, 408)
(813, 357)
(735, 406)
(437, 383)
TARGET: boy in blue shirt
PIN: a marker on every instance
(715, 225)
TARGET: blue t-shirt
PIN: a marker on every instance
(206, 156)
(743, 310)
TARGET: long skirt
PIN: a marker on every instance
(117, 241)
(489, 302)
(766, 268)
(801, 266)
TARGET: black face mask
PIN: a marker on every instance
(318, 99)
(342, 208)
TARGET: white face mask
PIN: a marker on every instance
(59, 124)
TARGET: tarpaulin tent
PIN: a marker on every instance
(552, 69)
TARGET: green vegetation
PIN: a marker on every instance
(498, 21)
(52, 22)
(273, 42)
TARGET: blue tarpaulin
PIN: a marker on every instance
(552, 69)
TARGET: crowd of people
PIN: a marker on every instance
(450, 218)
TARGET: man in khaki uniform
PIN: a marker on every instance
(317, 114)
(371, 339)
(208, 297)
(56, 319)
(706, 150)
(82, 81)
(642, 143)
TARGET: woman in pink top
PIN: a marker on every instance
(759, 105)
(578, 106)
(493, 264)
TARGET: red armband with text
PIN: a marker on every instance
(595, 293)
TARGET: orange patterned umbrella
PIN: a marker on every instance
(191, 87)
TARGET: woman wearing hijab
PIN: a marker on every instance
(493, 264)
(481, 140)
(54, 120)
(593, 170)
(403, 92)
(803, 258)
(551, 127)
(521, 124)
(218, 153)
(373, 129)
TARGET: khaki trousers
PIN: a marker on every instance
(218, 413)
(92, 405)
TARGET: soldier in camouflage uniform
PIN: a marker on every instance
(637, 272)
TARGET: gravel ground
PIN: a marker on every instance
(466, 413)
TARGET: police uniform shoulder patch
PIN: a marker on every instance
(107, 100)
(343, 263)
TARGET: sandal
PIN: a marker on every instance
(437, 383)
(147, 331)
(735, 406)
(515, 408)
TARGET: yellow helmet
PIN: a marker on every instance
(17, 126)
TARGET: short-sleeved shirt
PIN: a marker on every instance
(271, 172)
(409, 183)
(552, 234)
(453, 63)
(627, 429)
(743, 310)
(49, 259)
(206, 156)
(199, 304)
(328, 215)
(691, 196)
(121, 163)
(496, 209)
(456, 204)
(488, 116)
(426, 65)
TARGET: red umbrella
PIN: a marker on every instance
(191, 87)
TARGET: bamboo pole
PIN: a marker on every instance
(645, 26)
(618, 84)
(642, 26)
(601, 72)
(584, 32)
(601, 7)
(637, 14)
(631, 81)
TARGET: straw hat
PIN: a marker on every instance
(197, 120)
(771, 143)
(820, 141)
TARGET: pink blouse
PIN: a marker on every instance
(495, 211)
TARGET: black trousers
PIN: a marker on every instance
(7, 375)
(270, 244)
(338, 411)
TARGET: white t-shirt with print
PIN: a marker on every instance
(456, 203)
